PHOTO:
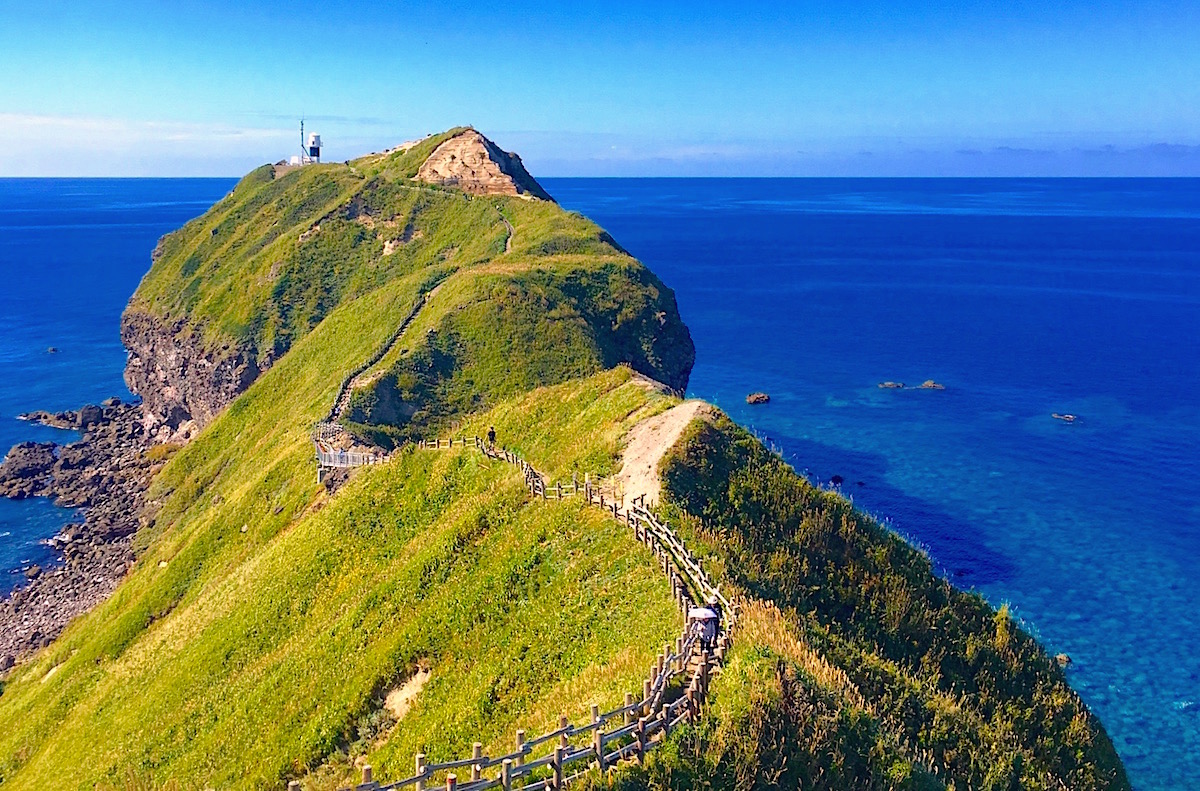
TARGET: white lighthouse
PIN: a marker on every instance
(310, 147)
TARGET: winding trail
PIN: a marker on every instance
(675, 690)
(511, 233)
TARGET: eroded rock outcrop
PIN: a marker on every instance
(106, 472)
(183, 385)
(474, 164)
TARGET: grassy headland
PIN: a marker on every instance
(266, 620)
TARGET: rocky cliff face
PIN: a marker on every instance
(182, 384)
(472, 163)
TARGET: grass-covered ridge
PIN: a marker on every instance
(860, 668)
(256, 638)
(531, 294)
(260, 653)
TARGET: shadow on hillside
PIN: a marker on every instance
(955, 545)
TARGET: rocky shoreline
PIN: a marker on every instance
(106, 473)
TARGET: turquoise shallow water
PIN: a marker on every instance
(1024, 298)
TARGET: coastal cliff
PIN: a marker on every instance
(183, 385)
(275, 628)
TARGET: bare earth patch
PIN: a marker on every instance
(400, 699)
(648, 441)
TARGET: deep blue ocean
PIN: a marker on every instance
(1023, 297)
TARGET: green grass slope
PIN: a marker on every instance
(857, 666)
(553, 300)
(266, 619)
(257, 635)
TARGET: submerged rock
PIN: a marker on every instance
(889, 385)
(757, 398)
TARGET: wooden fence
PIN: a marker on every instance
(331, 457)
(673, 693)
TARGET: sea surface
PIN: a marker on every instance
(71, 253)
(1023, 297)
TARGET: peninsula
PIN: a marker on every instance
(532, 513)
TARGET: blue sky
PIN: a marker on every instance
(615, 88)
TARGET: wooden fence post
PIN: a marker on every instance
(521, 747)
(293, 785)
(366, 776)
(646, 683)
(476, 755)
(451, 782)
(564, 723)
(629, 708)
(506, 774)
(558, 767)
(421, 771)
(641, 741)
(598, 736)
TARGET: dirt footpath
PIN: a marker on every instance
(648, 441)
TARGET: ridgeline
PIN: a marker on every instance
(279, 629)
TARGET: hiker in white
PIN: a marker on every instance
(703, 623)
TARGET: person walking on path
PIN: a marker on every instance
(491, 438)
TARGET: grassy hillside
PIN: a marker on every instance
(266, 620)
(256, 637)
(859, 668)
(267, 263)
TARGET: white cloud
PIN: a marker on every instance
(53, 145)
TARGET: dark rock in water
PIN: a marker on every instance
(837, 480)
(859, 483)
(1062, 659)
(89, 415)
(110, 402)
(757, 398)
(33, 572)
(26, 470)
(64, 420)
(52, 350)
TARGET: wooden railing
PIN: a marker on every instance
(673, 693)
(330, 457)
